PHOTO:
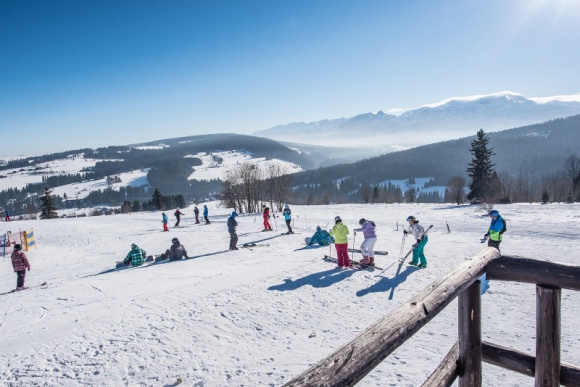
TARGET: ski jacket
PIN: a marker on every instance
(178, 214)
(164, 220)
(136, 256)
(205, 211)
(418, 231)
(496, 229)
(322, 237)
(177, 251)
(195, 211)
(266, 213)
(368, 230)
(287, 213)
(232, 224)
(19, 261)
(340, 232)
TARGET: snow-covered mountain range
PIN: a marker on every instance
(451, 118)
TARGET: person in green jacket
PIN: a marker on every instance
(136, 256)
(339, 232)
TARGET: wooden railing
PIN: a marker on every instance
(355, 360)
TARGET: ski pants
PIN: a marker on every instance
(267, 224)
(206, 219)
(177, 223)
(288, 225)
(233, 240)
(196, 218)
(491, 243)
(165, 227)
(342, 254)
(418, 254)
(20, 278)
(367, 248)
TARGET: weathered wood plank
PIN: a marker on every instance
(446, 373)
(469, 324)
(547, 336)
(353, 361)
(534, 271)
(525, 363)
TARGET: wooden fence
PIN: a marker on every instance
(353, 361)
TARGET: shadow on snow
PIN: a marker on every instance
(322, 279)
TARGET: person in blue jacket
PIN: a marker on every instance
(497, 227)
(205, 214)
(322, 237)
(232, 224)
(287, 217)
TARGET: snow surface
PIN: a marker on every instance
(259, 316)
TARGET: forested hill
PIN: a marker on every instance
(538, 149)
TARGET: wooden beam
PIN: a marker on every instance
(547, 336)
(350, 363)
(534, 271)
(469, 324)
(446, 373)
(525, 363)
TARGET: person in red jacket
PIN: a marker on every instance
(266, 215)
(20, 264)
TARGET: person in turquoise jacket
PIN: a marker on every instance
(288, 218)
(322, 237)
(339, 232)
(206, 214)
(164, 220)
(419, 233)
(496, 230)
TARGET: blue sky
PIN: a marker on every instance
(77, 74)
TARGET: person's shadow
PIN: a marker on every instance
(386, 284)
(322, 279)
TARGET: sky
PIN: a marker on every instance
(89, 74)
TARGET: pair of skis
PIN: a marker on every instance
(353, 263)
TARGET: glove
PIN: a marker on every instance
(405, 232)
(28, 267)
(355, 233)
(418, 241)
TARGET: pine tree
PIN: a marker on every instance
(480, 169)
(157, 199)
(47, 208)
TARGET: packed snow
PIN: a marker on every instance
(257, 316)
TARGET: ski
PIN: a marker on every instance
(413, 248)
(246, 245)
(376, 251)
(25, 288)
(353, 263)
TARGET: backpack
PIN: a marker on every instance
(371, 222)
(504, 226)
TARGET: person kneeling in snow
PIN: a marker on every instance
(322, 237)
(136, 256)
(175, 252)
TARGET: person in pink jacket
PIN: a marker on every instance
(20, 264)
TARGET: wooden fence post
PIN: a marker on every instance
(547, 336)
(469, 322)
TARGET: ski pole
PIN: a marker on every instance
(352, 253)
(402, 246)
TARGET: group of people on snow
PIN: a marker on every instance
(178, 214)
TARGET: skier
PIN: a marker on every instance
(322, 237)
(266, 215)
(340, 232)
(136, 256)
(175, 252)
(20, 264)
(232, 224)
(418, 232)
(164, 220)
(496, 230)
(7, 218)
(178, 216)
(196, 212)
(205, 214)
(367, 247)
(287, 218)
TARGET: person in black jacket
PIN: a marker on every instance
(178, 216)
(232, 224)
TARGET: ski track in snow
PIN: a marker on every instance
(257, 316)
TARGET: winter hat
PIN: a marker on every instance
(361, 221)
(285, 205)
(175, 240)
(318, 228)
(494, 213)
(133, 245)
(17, 247)
(411, 218)
(337, 219)
(234, 214)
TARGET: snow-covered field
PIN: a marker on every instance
(256, 316)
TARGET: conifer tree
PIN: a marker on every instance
(157, 199)
(47, 208)
(480, 169)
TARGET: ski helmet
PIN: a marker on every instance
(234, 214)
(337, 219)
(17, 247)
(175, 240)
(411, 218)
(133, 245)
(361, 221)
(494, 213)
